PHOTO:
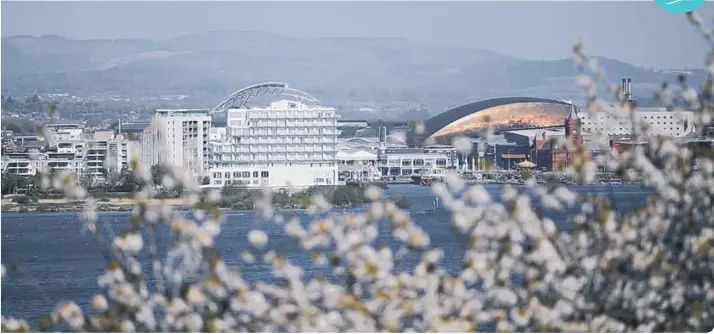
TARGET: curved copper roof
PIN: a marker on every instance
(507, 112)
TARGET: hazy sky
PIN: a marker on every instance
(639, 32)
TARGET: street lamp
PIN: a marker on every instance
(481, 155)
(509, 158)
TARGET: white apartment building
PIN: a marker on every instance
(659, 121)
(29, 164)
(105, 156)
(180, 138)
(92, 158)
(139, 142)
(146, 139)
(288, 144)
(61, 131)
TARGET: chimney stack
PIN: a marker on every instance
(623, 89)
(626, 89)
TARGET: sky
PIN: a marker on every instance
(639, 33)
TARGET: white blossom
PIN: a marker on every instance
(258, 238)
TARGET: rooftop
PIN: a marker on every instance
(133, 127)
(531, 133)
(182, 111)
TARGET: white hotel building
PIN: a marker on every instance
(290, 143)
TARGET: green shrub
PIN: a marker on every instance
(24, 200)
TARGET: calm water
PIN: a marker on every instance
(58, 262)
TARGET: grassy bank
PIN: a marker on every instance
(233, 198)
(339, 196)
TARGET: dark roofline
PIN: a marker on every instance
(439, 121)
(219, 123)
(352, 120)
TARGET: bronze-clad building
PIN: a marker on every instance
(508, 113)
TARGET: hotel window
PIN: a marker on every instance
(246, 174)
(264, 174)
(255, 174)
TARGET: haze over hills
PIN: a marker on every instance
(209, 65)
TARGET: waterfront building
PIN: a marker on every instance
(358, 164)
(147, 146)
(405, 163)
(105, 157)
(659, 121)
(139, 141)
(499, 114)
(30, 163)
(288, 143)
(180, 138)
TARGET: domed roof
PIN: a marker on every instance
(500, 113)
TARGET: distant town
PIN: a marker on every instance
(271, 134)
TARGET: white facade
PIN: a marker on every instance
(415, 162)
(65, 131)
(180, 138)
(83, 157)
(29, 164)
(664, 123)
(147, 147)
(134, 146)
(358, 164)
(93, 158)
(105, 157)
(217, 134)
(287, 144)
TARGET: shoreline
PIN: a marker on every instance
(125, 204)
(118, 205)
(64, 205)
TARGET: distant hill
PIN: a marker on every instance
(212, 64)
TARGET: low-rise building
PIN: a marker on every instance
(357, 164)
(30, 163)
(659, 122)
(65, 131)
(410, 162)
